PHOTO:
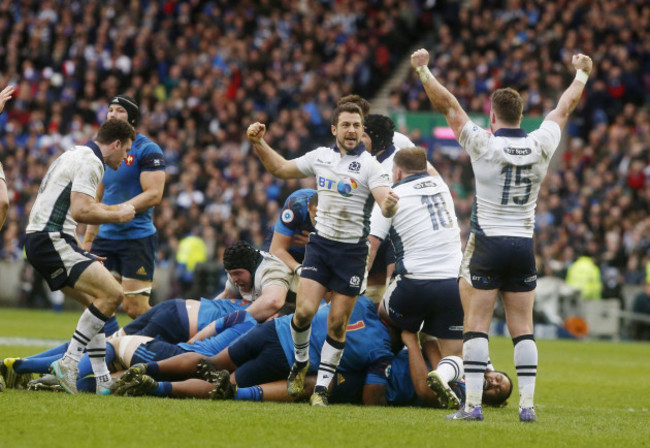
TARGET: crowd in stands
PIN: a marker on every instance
(203, 70)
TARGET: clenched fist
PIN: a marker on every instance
(255, 132)
(582, 62)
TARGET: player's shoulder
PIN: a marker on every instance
(143, 143)
(401, 141)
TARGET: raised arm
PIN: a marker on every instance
(272, 161)
(571, 96)
(85, 209)
(440, 97)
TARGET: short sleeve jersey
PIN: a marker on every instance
(344, 191)
(400, 141)
(124, 184)
(424, 231)
(270, 271)
(509, 167)
(78, 170)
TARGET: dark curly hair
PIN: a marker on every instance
(241, 255)
(380, 129)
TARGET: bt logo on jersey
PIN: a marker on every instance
(345, 186)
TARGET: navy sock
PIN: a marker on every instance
(152, 368)
(111, 326)
(87, 384)
(164, 389)
(35, 365)
(254, 393)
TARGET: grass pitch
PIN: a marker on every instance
(589, 394)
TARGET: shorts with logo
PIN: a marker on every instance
(57, 257)
(499, 262)
(134, 259)
(432, 306)
(259, 356)
(340, 267)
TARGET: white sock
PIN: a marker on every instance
(526, 365)
(330, 356)
(475, 359)
(97, 353)
(90, 323)
(300, 338)
(450, 368)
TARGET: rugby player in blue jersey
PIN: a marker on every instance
(266, 354)
(130, 248)
(291, 230)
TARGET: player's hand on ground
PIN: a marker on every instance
(582, 62)
(300, 239)
(420, 58)
(126, 212)
(5, 96)
(255, 132)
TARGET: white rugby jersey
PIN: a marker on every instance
(509, 167)
(270, 271)
(344, 190)
(424, 231)
(81, 170)
(400, 141)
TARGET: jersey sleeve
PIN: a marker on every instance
(548, 135)
(376, 373)
(88, 176)
(276, 273)
(379, 224)
(377, 175)
(306, 163)
(152, 158)
(290, 219)
(474, 140)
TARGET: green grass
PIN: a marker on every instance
(589, 394)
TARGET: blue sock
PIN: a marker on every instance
(87, 383)
(254, 393)
(35, 365)
(164, 389)
(60, 350)
(111, 326)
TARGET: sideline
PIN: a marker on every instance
(31, 342)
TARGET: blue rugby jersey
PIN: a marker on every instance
(367, 342)
(123, 184)
(293, 219)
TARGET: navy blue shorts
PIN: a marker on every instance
(337, 266)
(166, 321)
(134, 259)
(498, 262)
(347, 387)
(155, 350)
(430, 305)
(57, 257)
(259, 356)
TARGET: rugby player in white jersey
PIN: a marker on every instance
(349, 180)
(509, 166)
(424, 295)
(67, 197)
(5, 96)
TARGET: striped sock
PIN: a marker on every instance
(526, 365)
(475, 359)
(330, 356)
(450, 368)
(97, 353)
(300, 338)
(90, 323)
